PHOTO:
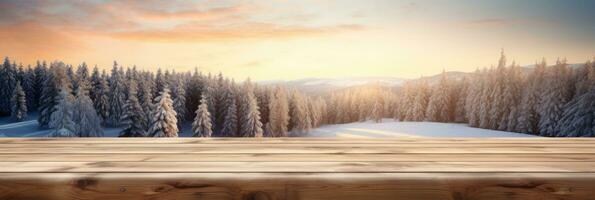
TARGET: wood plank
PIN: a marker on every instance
(294, 167)
(257, 145)
(531, 140)
(222, 149)
(352, 186)
(466, 157)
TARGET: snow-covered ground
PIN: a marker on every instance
(30, 128)
(391, 128)
(388, 128)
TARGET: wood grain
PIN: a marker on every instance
(297, 168)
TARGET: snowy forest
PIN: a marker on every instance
(78, 102)
(551, 101)
(546, 100)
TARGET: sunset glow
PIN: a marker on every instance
(285, 39)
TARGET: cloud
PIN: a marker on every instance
(158, 21)
(204, 32)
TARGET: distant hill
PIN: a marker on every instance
(322, 85)
(317, 86)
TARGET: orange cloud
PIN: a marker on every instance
(193, 14)
(205, 32)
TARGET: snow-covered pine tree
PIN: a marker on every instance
(180, 101)
(460, 98)
(529, 117)
(578, 119)
(202, 126)
(315, 112)
(117, 97)
(279, 113)
(511, 99)
(298, 115)
(377, 112)
(439, 102)
(251, 127)
(84, 116)
(94, 81)
(55, 79)
(528, 120)
(585, 79)
(263, 97)
(8, 74)
(420, 102)
(553, 100)
(19, 103)
(134, 117)
(164, 121)
(497, 107)
(61, 119)
(145, 96)
(81, 77)
(40, 72)
(486, 100)
(230, 125)
(101, 102)
(472, 101)
(28, 84)
(194, 92)
(160, 84)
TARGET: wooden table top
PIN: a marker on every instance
(297, 155)
(295, 160)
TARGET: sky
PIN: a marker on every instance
(294, 39)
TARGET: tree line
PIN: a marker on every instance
(79, 102)
(547, 100)
(553, 101)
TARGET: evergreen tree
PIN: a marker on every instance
(194, 93)
(230, 126)
(19, 103)
(87, 123)
(579, 117)
(498, 107)
(180, 101)
(377, 112)
(252, 127)
(61, 118)
(27, 84)
(511, 99)
(40, 72)
(279, 113)
(54, 80)
(102, 99)
(553, 100)
(420, 103)
(461, 95)
(8, 80)
(145, 97)
(164, 121)
(486, 101)
(438, 106)
(134, 117)
(116, 97)
(202, 127)
(299, 122)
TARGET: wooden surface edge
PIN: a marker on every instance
(297, 186)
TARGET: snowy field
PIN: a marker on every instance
(30, 128)
(388, 128)
(391, 128)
